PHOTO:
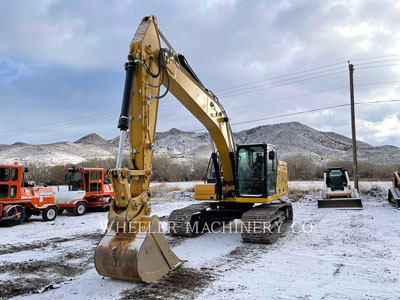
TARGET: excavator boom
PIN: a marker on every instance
(134, 247)
(120, 254)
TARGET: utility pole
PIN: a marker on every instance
(353, 128)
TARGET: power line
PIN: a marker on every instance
(307, 70)
(374, 57)
(314, 93)
(293, 78)
(55, 127)
(290, 114)
(259, 88)
(270, 87)
(305, 111)
(55, 124)
(279, 99)
(96, 120)
(377, 62)
(314, 110)
(292, 97)
(277, 77)
(376, 83)
(52, 123)
(373, 67)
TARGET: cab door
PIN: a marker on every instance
(93, 181)
(86, 180)
(96, 181)
(271, 172)
(251, 170)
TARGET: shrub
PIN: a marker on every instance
(164, 169)
(303, 168)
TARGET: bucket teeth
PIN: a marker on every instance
(143, 256)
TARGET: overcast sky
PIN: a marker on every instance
(62, 77)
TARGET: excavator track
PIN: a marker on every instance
(180, 219)
(266, 223)
(197, 219)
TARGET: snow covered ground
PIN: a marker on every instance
(341, 254)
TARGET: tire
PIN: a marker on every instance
(80, 209)
(14, 210)
(49, 214)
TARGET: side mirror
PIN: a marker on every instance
(26, 170)
(271, 155)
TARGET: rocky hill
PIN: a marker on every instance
(291, 138)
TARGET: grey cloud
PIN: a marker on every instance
(75, 50)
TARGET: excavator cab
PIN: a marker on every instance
(256, 170)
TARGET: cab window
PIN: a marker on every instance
(4, 174)
(3, 190)
(13, 191)
(93, 175)
(271, 171)
(75, 181)
(251, 171)
(14, 174)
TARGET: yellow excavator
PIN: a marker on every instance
(247, 183)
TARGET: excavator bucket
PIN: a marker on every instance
(394, 197)
(352, 203)
(143, 256)
(349, 203)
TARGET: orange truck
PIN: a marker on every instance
(90, 181)
(19, 201)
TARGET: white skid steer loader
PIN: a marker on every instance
(338, 192)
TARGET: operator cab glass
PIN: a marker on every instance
(251, 171)
(14, 174)
(75, 181)
(337, 179)
(4, 174)
(272, 163)
(3, 191)
(256, 171)
(95, 181)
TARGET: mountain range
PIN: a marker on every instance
(292, 138)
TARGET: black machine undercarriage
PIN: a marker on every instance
(262, 223)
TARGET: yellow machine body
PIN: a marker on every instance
(134, 247)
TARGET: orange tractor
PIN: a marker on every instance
(97, 195)
(19, 201)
